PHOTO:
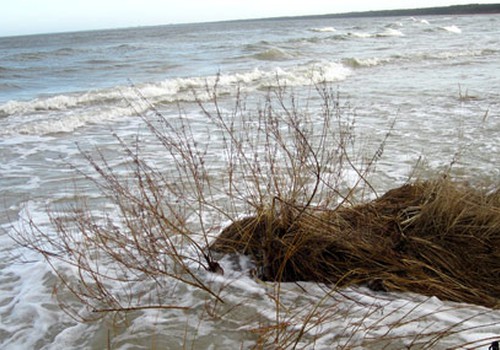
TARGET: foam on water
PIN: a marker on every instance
(323, 30)
(386, 33)
(419, 21)
(360, 35)
(366, 62)
(415, 56)
(30, 316)
(51, 123)
(390, 32)
(452, 29)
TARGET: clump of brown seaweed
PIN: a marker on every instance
(436, 238)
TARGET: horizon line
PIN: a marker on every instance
(465, 9)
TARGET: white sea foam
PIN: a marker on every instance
(356, 62)
(390, 32)
(323, 30)
(395, 25)
(452, 29)
(60, 102)
(29, 312)
(64, 122)
(361, 35)
(409, 315)
(454, 54)
(421, 21)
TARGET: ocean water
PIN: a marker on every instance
(437, 77)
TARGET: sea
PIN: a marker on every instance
(432, 84)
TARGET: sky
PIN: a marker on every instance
(21, 17)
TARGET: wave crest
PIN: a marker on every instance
(390, 32)
(452, 29)
(355, 62)
(273, 54)
(323, 30)
(66, 113)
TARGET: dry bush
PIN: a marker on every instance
(163, 218)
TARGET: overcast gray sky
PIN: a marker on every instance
(18, 17)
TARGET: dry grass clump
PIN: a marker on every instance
(437, 238)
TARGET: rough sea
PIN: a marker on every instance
(437, 77)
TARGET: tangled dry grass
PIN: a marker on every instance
(437, 238)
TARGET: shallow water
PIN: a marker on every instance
(437, 77)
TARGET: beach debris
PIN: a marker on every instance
(438, 238)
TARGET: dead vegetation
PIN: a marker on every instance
(437, 238)
(298, 177)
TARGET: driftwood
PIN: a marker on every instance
(437, 238)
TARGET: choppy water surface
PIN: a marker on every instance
(437, 76)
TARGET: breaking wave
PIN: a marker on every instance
(389, 32)
(360, 35)
(358, 62)
(323, 30)
(452, 29)
(273, 54)
(66, 113)
(355, 62)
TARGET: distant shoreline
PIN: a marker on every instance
(471, 9)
